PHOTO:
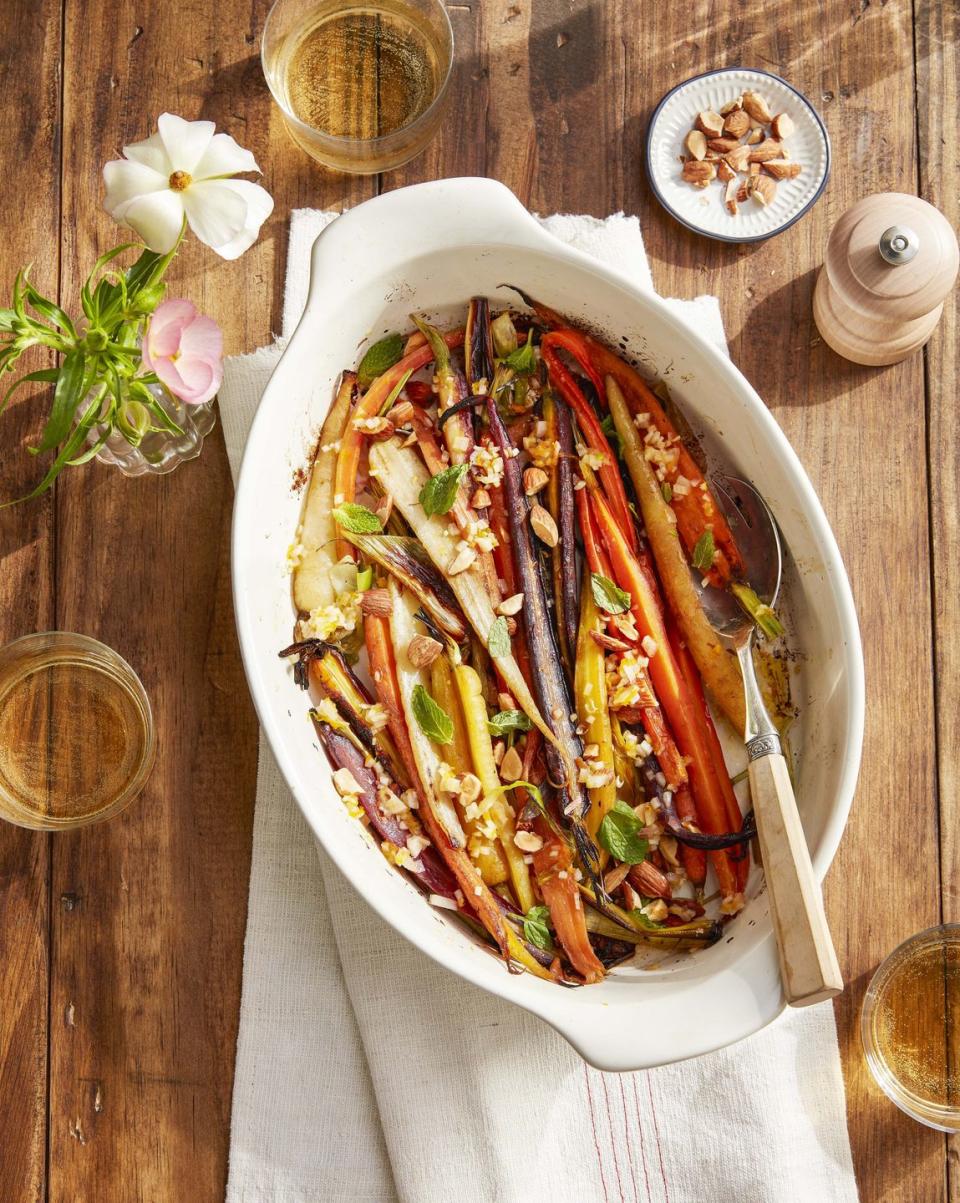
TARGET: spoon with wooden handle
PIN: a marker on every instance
(808, 962)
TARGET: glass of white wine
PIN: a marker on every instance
(77, 740)
(910, 1027)
(361, 84)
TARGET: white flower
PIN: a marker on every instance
(184, 169)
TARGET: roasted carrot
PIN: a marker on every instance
(694, 860)
(718, 666)
(369, 406)
(734, 818)
(457, 860)
(593, 434)
(695, 507)
(554, 869)
(685, 720)
(577, 345)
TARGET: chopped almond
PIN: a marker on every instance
(736, 123)
(756, 106)
(781, 126)
(782, 169)
(710, 123)
(696, 144)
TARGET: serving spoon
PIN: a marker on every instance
(808, 962)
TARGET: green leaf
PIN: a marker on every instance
(440, 492)
(508, 720)
(45, 375)
(434, 721)
(703, 552)
(66, 397)
(536, 928)
(357, 519)
(66, 453)
(535, 799)
(619, 834)
(51, 311)
(667, 490)
(608, 596)
(379, 359)
(523, 361)
(608, 426)
(644, 920)
(498, 639)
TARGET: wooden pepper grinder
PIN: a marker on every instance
(890, 261)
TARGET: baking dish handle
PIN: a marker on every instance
(389, 230)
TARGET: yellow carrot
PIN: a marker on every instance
(717, 666)
(485, 767)
(590, 686)
(485, 853)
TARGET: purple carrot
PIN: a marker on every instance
(569, 593)
(428, 868)
(549, 681)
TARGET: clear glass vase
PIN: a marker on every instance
(159, 451)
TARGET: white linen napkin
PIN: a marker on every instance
(365, 1072)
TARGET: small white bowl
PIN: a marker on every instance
(703, 209)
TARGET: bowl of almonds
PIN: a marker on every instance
(737, 154)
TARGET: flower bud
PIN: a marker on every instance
(133, 421)
(147, 299)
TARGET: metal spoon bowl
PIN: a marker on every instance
(755, 533)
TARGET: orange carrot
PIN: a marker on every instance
(697, 511)
(694, 859)
(734, 817)
(685, 720)
(554, 869)
(593, 434)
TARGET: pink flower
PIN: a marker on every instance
(185, 350)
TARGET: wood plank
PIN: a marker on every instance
(560, 118)
(147, 959)
(29, 137)
(937, 37)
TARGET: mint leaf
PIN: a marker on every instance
(619, 834)
(379, 359)
(523, 361)
(667, 490)
(703, 552)
(440, 492)
(508, 720)
(644, 920)
(357, 519)
(434, 721)
(608, 596)
(498, 639)
(536, 928)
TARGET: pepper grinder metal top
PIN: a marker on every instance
(891, 259)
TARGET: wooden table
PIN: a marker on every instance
(120, 946)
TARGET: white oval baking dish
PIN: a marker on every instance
(429, 248)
